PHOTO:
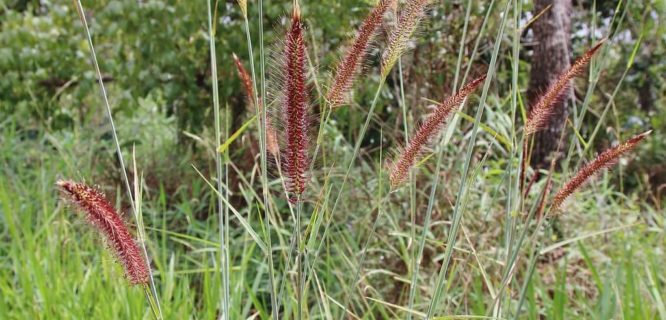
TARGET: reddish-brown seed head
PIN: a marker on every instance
(408, 21)
(353, 60)
(428, 129)
(602, 161)
(295, 108)
(247, 82)
(271, 137)
(542, 110)
(101, 214)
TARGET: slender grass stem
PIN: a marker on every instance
(261, 124)
(299, 266)
(264, 166)
(412, 189)
(515, 194)
(418, 253)
(364, 249)
(114, 131)
(457, 211)
(220, 175)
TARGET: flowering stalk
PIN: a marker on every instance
(271, 136)
(295, 107)
(605, 160)
(247, 82)
(407, 23)
(101, 214)
(348, 67)
(542, 110)
(429, 129)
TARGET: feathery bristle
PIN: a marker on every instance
(427, 131)
(295, 108)
(271, 139)
(602, 161)
(100, 213)
(348, 67)
(542, 110)
(407, 22)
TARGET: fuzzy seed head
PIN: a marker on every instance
(295, 108)
(348, 67)
(407, 23)
(604, 160)
(542, 110)
(247, 82)
(428, 129)
(101, 214)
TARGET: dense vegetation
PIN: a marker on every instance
(600, 257)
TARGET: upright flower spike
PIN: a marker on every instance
(541, 111)
(101, 214)
(295, 107)
(428, 129)
(407, 22)
(605, 160)
(348, 67)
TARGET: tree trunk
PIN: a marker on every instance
(549, 59)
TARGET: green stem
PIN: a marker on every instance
(220, 174)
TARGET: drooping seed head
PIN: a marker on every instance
(604, 160)
(101, 214)
(348, 67)
(295, 107)
(407, 23)
(542, 110)
(428, 129)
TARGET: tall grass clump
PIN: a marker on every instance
(322, 222)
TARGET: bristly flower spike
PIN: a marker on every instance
(428, 129)
(542, 110)
(295, 107)
(348, 67)
(101, 214)
(247, 82)
(407, 22)
(605, 160)
(271, 137)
